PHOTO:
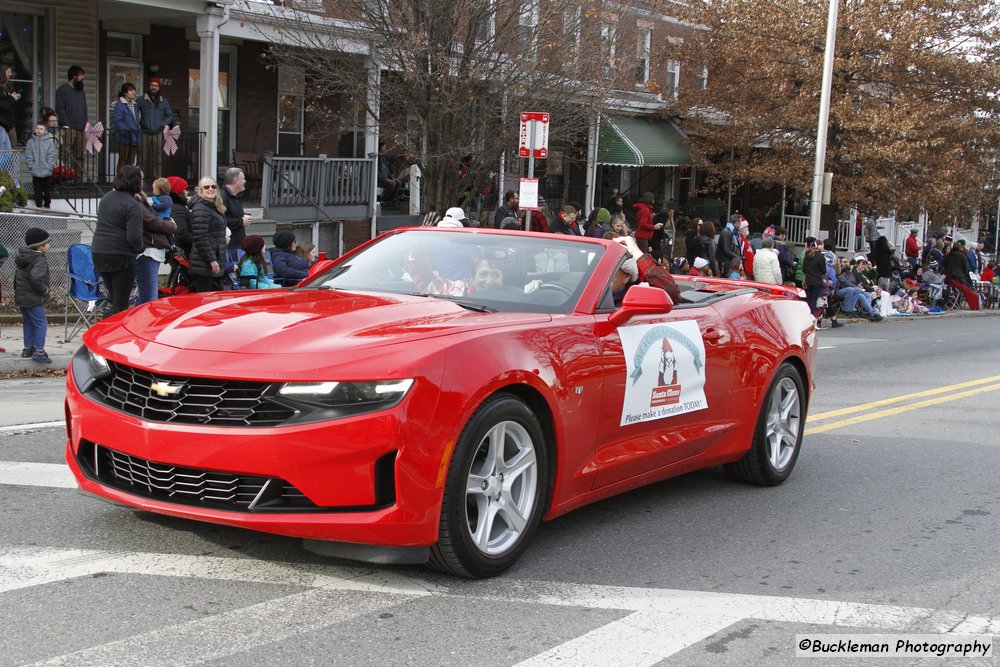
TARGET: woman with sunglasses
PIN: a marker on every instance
(208, 233)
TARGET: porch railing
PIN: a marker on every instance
(797, 227)
(84, 172)
(317, 181)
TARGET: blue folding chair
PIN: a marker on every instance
(84, 290)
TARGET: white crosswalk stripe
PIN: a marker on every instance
(212, 638)
(21, 473)
(662, 623)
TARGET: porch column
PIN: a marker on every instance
(208, 116)
(593, 135)
(372, 112)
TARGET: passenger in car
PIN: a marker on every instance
(650, 270)
(426, 280)
(626, 276)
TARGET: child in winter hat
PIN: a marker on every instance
(31, 289)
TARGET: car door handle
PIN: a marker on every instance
(712, 335)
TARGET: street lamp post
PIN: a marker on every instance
(824, 118)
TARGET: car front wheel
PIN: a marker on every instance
(495, 490)
(778, 436)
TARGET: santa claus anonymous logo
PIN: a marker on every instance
(666, 371)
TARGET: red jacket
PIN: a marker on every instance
(644, 217)
(747, 256)
(911, 248)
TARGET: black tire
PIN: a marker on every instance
(758, 466)
(456, 551)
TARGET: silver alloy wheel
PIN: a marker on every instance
(783, 422)
(501, 489)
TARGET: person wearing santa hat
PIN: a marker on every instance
(155, 115)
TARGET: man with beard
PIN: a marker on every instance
(71, 107)
(155, 115)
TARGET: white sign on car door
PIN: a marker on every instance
(665, 365)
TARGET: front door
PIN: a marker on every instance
(120, 70)
(666, 384)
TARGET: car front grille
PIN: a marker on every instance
(186, 400)
(189, 486)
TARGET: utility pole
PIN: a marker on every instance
(824, 118)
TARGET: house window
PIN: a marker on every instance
(572, 22)
(608, 37)
(527, 29)
(486, 22)
(673, 80)
(291, 92)
(22, 46)
(642, 47)
(702, 78)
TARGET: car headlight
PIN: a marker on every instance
(332, 400)
(88, 368)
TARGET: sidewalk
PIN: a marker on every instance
(12, 339)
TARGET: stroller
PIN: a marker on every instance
(178, 281)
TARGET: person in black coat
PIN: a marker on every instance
(883, 258)
(237, 218)
(208, 233)
(706, 246)
(813, 270)
(118, 237)
(288, 267)
(956, 275)
(180, 213)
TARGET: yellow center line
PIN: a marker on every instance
(899, 399)
(904, 408)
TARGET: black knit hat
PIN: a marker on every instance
(35, 237)
(284, 239)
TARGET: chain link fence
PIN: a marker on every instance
(13, 163)
(63, 235)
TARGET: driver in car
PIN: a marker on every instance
(486, 274)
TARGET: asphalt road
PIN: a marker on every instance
(888, 524)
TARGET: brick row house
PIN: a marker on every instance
(234, 106)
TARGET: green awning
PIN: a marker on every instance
(640, 142)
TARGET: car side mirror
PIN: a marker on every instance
(641, 300)
(320, 266)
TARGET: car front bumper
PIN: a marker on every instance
(333, 464)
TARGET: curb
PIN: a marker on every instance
(11, 362)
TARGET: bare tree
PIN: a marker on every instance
(455, 75)
(914, 104)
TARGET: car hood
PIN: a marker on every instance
(304, 321)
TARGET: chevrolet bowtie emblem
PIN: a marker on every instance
(165, 388)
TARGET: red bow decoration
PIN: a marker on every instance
(170, 137)
(94, 133)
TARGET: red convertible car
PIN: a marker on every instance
(436, 393)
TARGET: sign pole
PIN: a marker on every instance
(531, 167)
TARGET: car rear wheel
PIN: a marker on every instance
(495, 491)
(778, 436)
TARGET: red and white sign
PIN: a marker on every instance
(541, 122)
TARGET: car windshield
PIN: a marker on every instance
(489, 272)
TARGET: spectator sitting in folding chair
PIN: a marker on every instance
(956, 274)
